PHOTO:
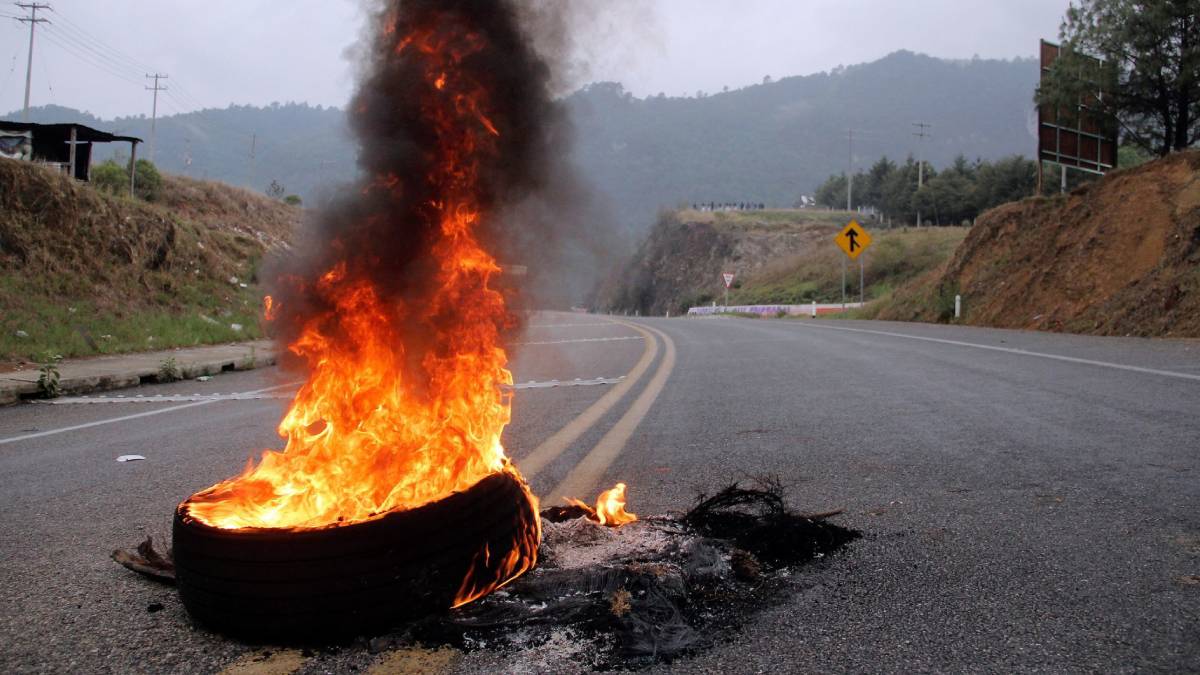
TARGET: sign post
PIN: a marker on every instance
(853, 240)
(727, 277)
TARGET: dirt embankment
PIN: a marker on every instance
(1120, 256)
(83, 272)
(680, 262)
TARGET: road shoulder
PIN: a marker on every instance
(82, 376)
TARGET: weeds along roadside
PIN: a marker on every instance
(84, 272)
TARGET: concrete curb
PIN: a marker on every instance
(84, 376)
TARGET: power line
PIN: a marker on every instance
(83, 56)
(186, 96)
(93, 53)
(11, 69)
(83, 35)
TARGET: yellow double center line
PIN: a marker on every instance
(585, 477)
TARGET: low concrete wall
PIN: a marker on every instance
(811, 309)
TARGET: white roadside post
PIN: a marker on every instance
(727, 277)
(814, 309)
(957, 306)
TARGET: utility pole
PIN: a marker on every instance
(921, 136)
(253, 166)
(849, 168)
(154, 110)
(33, 21)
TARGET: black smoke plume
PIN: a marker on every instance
(385, 227)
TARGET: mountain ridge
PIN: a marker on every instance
(768, 142)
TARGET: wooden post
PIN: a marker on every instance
(74, 138)
(1039, 177)
(132, 166)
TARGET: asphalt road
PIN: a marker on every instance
(1029, 501)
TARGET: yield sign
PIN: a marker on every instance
(853, 239)
(728, 277)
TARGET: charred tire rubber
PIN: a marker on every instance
(301, 585)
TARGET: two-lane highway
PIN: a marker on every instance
(1028, 500)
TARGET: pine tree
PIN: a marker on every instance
(1151, 69)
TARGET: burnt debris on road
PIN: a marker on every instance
(628, 595)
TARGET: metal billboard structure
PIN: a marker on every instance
(1081, 136)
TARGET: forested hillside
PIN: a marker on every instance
(773, 142)
(768, 143)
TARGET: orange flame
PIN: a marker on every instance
(610, 507)
(387, 421)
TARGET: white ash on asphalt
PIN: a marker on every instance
(579, 542)
(647, 592)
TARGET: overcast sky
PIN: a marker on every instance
(94, 55)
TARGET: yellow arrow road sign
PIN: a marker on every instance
(853, 239)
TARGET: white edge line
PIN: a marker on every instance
(134, 416)
(255, 396)
(563, 342)
(1012, 350)
(572, 325)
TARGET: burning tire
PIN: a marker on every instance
(319, 583)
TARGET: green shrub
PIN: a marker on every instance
(48, 378)
(168, 370)
(292, 200)
(110, 177)
(148, 183)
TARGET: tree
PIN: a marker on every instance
(832, 193)
(872, 188)
(946, 199)
(1151, 53)
(898, 190)
(1003, 181)
(276, 190)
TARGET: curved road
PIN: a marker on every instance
(1029, 501)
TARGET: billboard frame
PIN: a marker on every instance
(1083, 138)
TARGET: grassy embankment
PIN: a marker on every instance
(1115, 256)
(84, 273)
(894, 258)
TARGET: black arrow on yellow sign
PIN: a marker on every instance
(853, 240)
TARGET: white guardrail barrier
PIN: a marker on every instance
(811, 309)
